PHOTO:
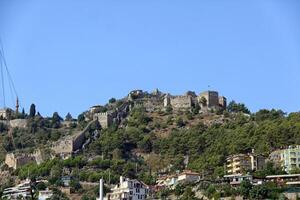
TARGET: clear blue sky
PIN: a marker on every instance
(67, 55)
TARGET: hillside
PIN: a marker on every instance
(147, 138)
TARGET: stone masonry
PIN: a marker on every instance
(14, 161)
(68, 145)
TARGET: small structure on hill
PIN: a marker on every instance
(6, 113)
(206, 100)
(212, 100)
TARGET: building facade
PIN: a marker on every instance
(237, 179)
(242, 163)
(105, 119)
(288, 158)
(129, 189)
(211, 97)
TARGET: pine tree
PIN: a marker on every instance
(69, 117)
(32, 111)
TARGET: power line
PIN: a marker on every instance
(5, 71)
(2, 80)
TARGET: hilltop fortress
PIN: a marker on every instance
(205, 101)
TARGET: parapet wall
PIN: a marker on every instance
(181, 102)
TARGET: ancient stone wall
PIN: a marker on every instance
(63, 147)
(212, 98)
(105, 119)
(15, 161)
(18, 123)
(223, 102)
(78, 141)
(179, 102)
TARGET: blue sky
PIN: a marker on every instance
(67, 55)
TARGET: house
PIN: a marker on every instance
(22, 190)
(188, 176)
(171, 181)
(288, 158)
(236, 179)
(129, 189)
(167, 181)
(45, 194)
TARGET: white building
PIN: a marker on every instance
(167, 181)
(186, 176)
(4, 113)
(236, 179)
(45, 194)
(22, 190)
(129, 190)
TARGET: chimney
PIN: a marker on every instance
(101, 190)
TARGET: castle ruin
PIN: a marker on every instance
(68, 145)
(17, 160)
(206, 100)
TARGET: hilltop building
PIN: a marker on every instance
(5, 113)
(206, 100)
(242, 163)
(178, 102)
(105, 118)
(129, 189)
(136, 94)
(212, 100)
(288, 158)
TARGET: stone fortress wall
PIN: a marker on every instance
(178, 102)
(16, 160)
(190, 99)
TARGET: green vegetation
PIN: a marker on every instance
(147, 143)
